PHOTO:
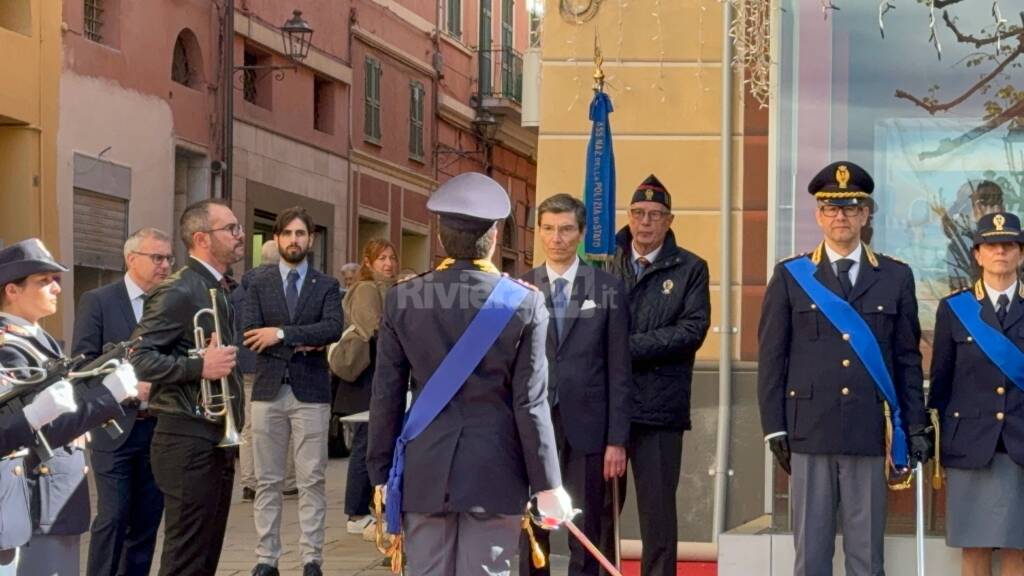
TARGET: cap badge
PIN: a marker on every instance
(649, 194)
(842, 176)
(666, 287)
(998, 221)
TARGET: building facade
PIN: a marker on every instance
(291, 126)
(29, 119)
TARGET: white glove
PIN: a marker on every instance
(554, 506)
(56, 399)
(122, 382)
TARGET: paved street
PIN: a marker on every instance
(344, 554)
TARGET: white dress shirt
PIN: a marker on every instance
(136, 296)
(569, 276)
(833, 256)
(993, 295)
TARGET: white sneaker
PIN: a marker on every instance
(358, 526)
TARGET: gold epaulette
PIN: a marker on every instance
(979, 290)
(524, 283)
(794, 257)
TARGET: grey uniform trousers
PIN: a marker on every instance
(460, 544)
(826, 488)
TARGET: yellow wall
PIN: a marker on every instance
(30, 45)
(666, 90)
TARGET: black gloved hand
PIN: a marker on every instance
(779, 446)
(922, 446)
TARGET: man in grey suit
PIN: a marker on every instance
(291, 311)
(469, 474)
(129, 503)
(590, 373)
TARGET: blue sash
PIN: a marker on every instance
(999, 349)
(848, 321)
(448, 379)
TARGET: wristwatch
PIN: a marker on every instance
(280, 334)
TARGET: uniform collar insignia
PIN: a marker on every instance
(979, 290)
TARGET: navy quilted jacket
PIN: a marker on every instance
(671, 309)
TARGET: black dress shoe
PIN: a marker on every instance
(311, 569)
(265, 570)
(248, 494)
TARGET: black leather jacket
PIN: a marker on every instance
(166, 356)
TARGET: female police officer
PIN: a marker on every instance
(29, 285)
(979, 336)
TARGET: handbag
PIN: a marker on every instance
(350, 356)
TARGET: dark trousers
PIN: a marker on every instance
(196, 478)
(656, 457)
(128, 507)
(358, 489)
(583, 479)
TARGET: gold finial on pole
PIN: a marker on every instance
(598, 62)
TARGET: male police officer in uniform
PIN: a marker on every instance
(469, 474)
(821, 389)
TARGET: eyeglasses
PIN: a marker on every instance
(235, 230)
(654, 215)
(833, 211)
(157, 259)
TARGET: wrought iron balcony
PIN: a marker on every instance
(501, 76)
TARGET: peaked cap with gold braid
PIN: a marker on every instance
(842, 183)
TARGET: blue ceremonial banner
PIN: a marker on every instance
(599, 187)
(999, 349)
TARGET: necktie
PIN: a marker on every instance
(641, 266)
(291, 294)
(843, 266)
(1002, 307)
(559, 299)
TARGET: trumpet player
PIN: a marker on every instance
(59, 512)
(196, 390)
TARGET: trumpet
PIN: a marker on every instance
(215, 403)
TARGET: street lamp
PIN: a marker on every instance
(485, 125)
(1013, 142)
(296, 36)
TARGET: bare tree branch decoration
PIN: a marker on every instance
(884, 7)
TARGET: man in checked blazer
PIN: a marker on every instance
(589, 373)
(291, 312)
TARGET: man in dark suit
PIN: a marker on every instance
(193, 468)
(469, 473)
(129, 504)
(291, 312)
(821, 409)
(589, 373)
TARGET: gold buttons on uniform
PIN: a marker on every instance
(85, 469)
(845, 391)
(846, 337)
(846, 363)
(970, 338)
(792, 393)
(1000, 390)
(956, 414)
(18, 470)
(814, 306)
(1000, 416)
(880, 307)
(44, 470)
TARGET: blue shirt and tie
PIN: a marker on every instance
(292, 279)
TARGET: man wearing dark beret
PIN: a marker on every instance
(670, 306)
(478, 439)
(838, 356)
